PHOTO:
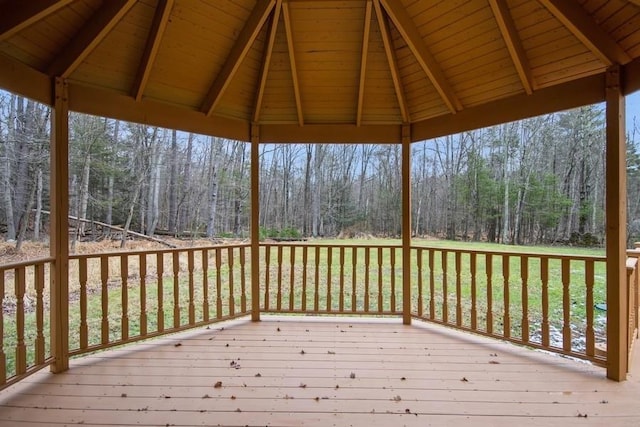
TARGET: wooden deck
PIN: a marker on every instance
(325, 372)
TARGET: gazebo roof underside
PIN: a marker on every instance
(319, 71)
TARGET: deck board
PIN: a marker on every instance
(323, 371)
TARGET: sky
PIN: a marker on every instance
(633, 109)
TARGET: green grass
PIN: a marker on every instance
(383, 295)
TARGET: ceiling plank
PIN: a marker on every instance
(585, 28)
(391, 59)
(636, 2)
(292, 60)
(512, 40)
(19, 14)
(363, 60)
(398, 14)
(158, 26)
(266, 62)
(89, 36)
(240, 49)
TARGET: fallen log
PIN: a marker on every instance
(119, 229)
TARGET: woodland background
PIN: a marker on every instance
(537, 181)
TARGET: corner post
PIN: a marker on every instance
(59, 230)
(616, 219)
(255, 222)
(406, 224)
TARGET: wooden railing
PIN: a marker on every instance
(331, 279)
(24, 319)
(633, 292)
(121, 297)
(539, 300)
(544, 301)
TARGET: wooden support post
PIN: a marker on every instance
(255, 222)
(406, 224)
(616, 211)
(59, 230)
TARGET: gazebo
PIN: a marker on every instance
(318, 71)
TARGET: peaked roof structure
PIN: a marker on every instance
(319, 70)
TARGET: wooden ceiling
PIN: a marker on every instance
(319, 70)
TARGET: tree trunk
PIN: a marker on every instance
(213, 190)
(37, 220)
(173, 185)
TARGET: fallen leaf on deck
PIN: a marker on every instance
(258, 374)
(123, 395)
(238, 410)
(581, 415)
(403, 379)
(278, 329)
(331, 352)
(233, 397)
(218, 384)
(302, 352)
(317, 399)
(464, 379)
(353, 375)
(206, 396)
(302, 385)
(177, 344)
(397, 398)
(494, 362)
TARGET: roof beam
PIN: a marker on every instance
(586, 29)
(391, 59)
(398, 14)
(239, 51)
(266, 62)
(292, 60)
(89, 36)
(363, 60)
(511, 39)
(158, 26)
(19, 14)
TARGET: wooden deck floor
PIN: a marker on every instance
(324, 372)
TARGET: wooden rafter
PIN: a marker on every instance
(414, 40)
(239, 51)
(292, 60)
(363, 60)
(585, 28)
(511, 39)
(391, 59)
(151, 50)
(636, 2)
(266, 61)
(19, 14)
(95, 30)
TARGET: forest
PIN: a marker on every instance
(536, 181)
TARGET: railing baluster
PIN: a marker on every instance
(104, 276)
(544, 279)
(39, 285)
(305, 259)
(267, 276)
(354, 290)
(392, 258)
(192, 303)
(367, 265)
(445, 291)
(292, 261)
(506, 320)
(160, 283)
(380, 299)
(316, 295)
(341, 306)
(566, 305)
(176, 289)
(279, 295)
(473, 264)
(205, 285)
(524, 276)
(329, 267)
(458, 258)
(243, 280)
(232, 298)
(3, 356)
(21, 348)
(589, 281)
(489, 270)
(419, 253)
(142, 264)
(432, 285)
(218, 283)
(84, 327)
(124, 293)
